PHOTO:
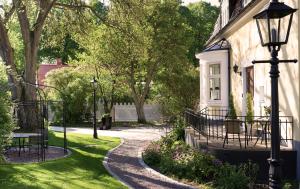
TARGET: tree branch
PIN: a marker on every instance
(24, 22)
(45, 7)
(85, 6)
(79, 6)
(7, 15)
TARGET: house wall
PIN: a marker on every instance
(45, 68)
(246, 47)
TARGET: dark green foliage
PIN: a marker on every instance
(250, 111)
(178, 133)
(6, 123)
(231, 177)
(201, 17)
(267, 110)
(177, 89)
(251, 170)
(289, 184)
(76, 90)
(152, 155)
(67, 50)
(178, 81)
(231, 111)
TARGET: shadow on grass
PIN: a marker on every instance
(83, 169)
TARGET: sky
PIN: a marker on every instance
(213, 2)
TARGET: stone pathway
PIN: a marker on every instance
(123, 162)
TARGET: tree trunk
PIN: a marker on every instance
(139, 105)
(29, 110)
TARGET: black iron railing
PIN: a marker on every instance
(213, 124)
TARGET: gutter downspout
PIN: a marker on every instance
(229, 74)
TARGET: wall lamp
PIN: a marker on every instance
(236, 69)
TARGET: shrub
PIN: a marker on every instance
(231, 111)
(152, 155)
(250, 111)
(231, 177)
(178, 132)
(6, 123)
(251, 170)
(290, 184)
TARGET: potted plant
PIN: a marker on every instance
(249, 111)
(232, 124)
(106, 122)
(267, 110)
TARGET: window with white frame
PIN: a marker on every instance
(214, 82)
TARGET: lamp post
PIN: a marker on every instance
(274, 24)
(94, 83)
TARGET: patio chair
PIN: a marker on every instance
(232, 127)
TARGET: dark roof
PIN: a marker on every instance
(223, 44)
(237, 14)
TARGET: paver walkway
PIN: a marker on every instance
(124, 161)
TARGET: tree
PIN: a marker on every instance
(178, 89)
(31, 17)
(98, 62)
(151, 36)
(179, 83)
(201, 17)
(76, 89)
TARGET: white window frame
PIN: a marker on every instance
(214, 77)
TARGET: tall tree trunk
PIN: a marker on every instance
(29, 112)
(139, 105)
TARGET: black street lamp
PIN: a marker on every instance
(94, 83)
(274, 24)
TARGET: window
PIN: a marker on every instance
(233, 4)
(214, 82)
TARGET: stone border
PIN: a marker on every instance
(61, 157)
(105, 164)
(141, 161)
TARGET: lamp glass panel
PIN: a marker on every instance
(264, 30)
(275, 30)
(284, 28)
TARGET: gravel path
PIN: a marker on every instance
(123, 162)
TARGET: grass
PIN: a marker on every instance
(82, 170)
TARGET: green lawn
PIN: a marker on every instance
(83, 169)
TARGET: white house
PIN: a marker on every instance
(226, 65)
